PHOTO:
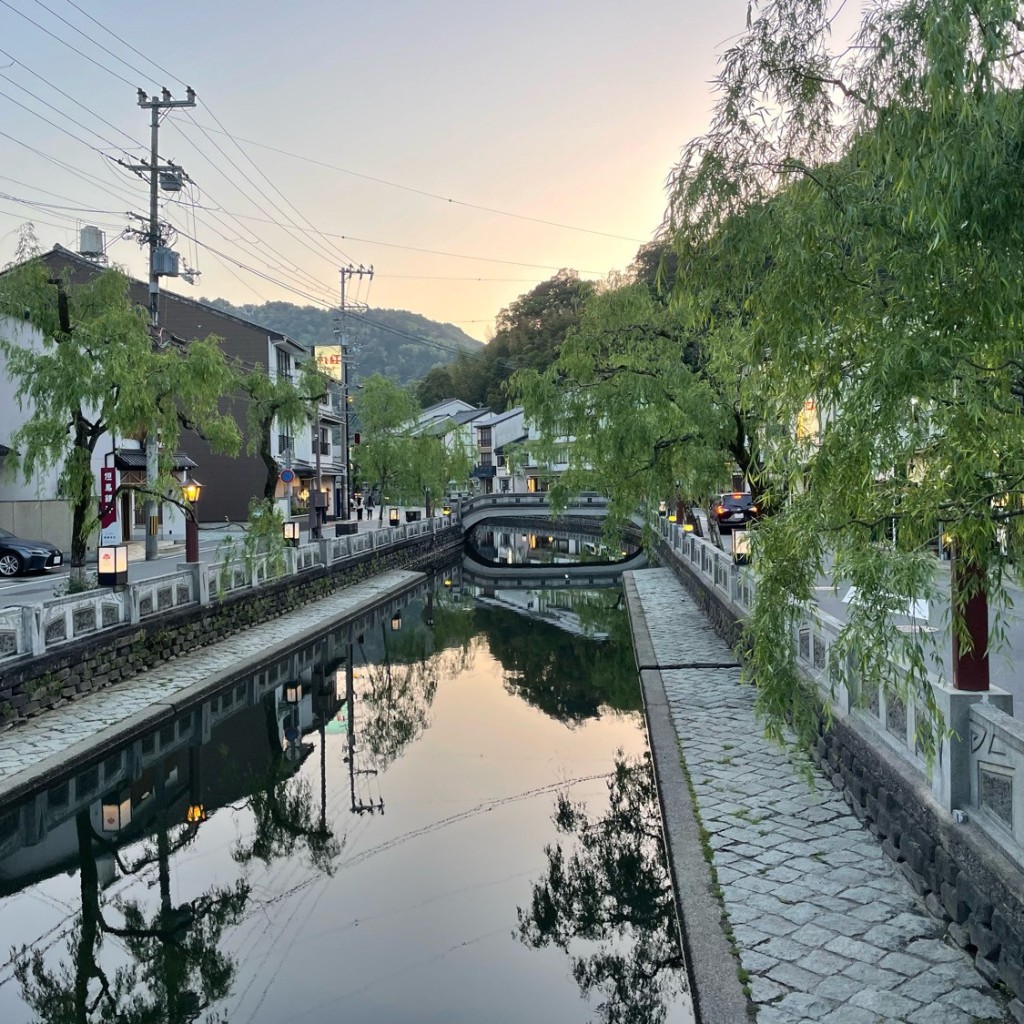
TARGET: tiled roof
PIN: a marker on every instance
(135, 458)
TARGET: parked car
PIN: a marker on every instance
(20, 555)
(734, 509)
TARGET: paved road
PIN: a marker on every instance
(826, 926)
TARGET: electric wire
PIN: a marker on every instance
(85, 35)
(343, 170)
(290, 228)
(70, 46)
(21, 64)
(425, 193)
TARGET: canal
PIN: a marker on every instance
(440, 812)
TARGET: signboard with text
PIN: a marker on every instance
(110, 530)
(329, 360)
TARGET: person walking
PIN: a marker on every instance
(369, 507)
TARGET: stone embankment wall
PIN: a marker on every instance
(964, 879)
(35, 685)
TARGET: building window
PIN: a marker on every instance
(284, 363)
(485, 459)
(284, 444)
(485, 437)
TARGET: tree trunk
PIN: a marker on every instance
(267, 455)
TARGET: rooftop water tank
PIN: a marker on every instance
(91, 242)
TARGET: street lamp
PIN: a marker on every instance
(396, 621)
(190, 492)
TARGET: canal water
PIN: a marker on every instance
(441, 812)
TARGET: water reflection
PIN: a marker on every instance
(613, 892)
(237, 863)
(526, 545)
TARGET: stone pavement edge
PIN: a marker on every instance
(827, 930)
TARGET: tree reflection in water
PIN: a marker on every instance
(285, 814)
(398, 691)
(175, 970)
(609, 904)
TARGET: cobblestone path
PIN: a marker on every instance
(55, 732)
(826, 926)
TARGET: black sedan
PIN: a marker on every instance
(20, 555)
(734, 509)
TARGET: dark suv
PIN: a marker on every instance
(734, 509)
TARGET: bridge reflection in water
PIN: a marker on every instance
(522, 554)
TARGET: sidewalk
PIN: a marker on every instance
(826, 927)
(54, 741)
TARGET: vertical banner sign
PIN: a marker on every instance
(110, 532)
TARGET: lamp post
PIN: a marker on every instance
(190, 492)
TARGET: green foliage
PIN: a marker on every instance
(403, 346)
(646, 422)
(570, 678)
(278, 402)
(868, 240)
(97, 372)
(529, 333)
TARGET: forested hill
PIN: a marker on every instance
(399, 344)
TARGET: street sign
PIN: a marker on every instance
(110, 529)
(287, 476)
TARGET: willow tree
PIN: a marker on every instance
(85, 366)
(628, 396)
(868, 198)
(386, 412)
(280, 402)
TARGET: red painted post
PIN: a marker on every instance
(970, 668)
(191, 537)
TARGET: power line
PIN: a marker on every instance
(70, 46)
(409, 248)
(68, 96)
(66, 166)
(85, 35)
(170, 74)
(289, 230)
(422, 192)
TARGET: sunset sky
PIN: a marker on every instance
(370, 133)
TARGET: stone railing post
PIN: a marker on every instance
(134, 604)
(951, 772)
(200, 579)
(32, 630)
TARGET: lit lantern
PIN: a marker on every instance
(112, 565)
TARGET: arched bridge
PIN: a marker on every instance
(526, 506)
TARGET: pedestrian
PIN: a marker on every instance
(369, 506)
(359, 507)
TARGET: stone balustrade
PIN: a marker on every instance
(38, 629)
(979, 768)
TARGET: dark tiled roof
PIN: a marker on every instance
(134, 458)
(500, 450)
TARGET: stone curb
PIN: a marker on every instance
(711, 963)
(94, 748)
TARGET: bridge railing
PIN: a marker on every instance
(979, 767)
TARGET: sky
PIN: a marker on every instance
(431, 140)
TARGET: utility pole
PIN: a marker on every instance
(346, 273)
(162, 263)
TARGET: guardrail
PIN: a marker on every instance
(36, 629)
(978, 769)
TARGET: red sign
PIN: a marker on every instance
(108, 485)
